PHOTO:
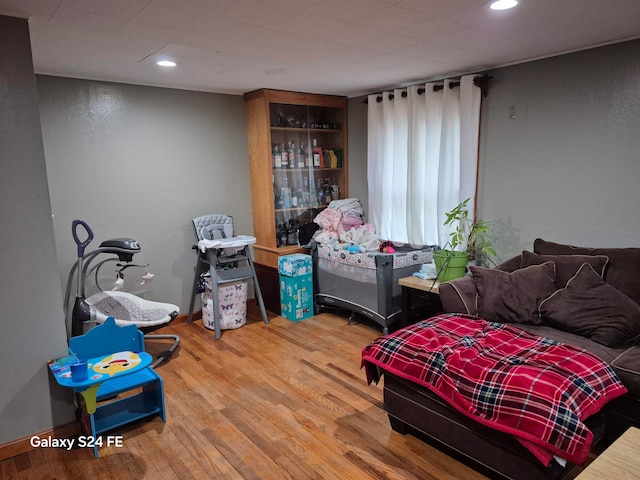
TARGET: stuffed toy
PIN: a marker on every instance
(353, 248)
(386, 247)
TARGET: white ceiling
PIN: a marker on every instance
(344, 47)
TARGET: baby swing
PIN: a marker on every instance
(126, 308)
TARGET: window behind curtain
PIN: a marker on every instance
(422, 158)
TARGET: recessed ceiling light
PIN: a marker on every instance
(503, 4)
(166, 63)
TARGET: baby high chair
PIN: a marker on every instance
(126, 308)
(226, 257)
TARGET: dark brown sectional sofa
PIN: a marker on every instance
(588, 297)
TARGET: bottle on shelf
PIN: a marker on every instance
(320, 193)
(292, 233)
(308, 158)
(285, 156)
(292, 154)
(300, 156)
(306, 200)
(326, 187)
(318, 160)
(277, 157)
(299, 196)
(335, 190)
(286, 194)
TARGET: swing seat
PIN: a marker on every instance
(129, 309)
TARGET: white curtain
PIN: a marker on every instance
(422, 159)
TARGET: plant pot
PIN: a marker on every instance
(450, 264)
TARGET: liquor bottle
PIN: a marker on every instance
(286, 194)
(281, 204)
(292, 155)
(308, 158)
(277, 156)
(327, 191)
(318, 161)
(300, 197)
(335, 190)
(305, 191)
(300, 156)
(294, 198)
(285, 156)
(292, 233)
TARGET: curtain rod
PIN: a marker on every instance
(481, 81)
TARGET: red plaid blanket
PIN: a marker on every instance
(534, 388)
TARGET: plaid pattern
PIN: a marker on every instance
(534, 388)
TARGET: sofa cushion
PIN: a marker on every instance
(590, 307)
(513, 297)
(623, 271)
(566, 265)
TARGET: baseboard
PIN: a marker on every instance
(182, 318)
(23, 445)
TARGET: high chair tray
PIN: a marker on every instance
(229, 242)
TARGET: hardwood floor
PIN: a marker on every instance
(284, 400)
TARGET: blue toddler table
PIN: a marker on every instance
(116, 363)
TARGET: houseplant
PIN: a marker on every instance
(468, 241)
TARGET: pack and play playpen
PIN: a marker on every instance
(365, 283)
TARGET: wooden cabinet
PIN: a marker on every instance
(298, 161)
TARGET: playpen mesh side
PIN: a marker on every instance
(348, 281)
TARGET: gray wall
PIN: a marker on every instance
(567, 168)
(141, 162)
(31, 303)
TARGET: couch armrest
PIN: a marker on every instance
(459, 296)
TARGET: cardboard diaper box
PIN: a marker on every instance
(296, 286)
(294, 265)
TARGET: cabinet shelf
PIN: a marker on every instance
(304, 130)
(307, 169)
(300, 209)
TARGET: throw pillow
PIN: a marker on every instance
(590, 307)
(566, 265)
(513, 297)
(623, 271)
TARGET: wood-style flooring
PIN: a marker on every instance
(286, 400)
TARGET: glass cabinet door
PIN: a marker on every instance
(307, 161)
